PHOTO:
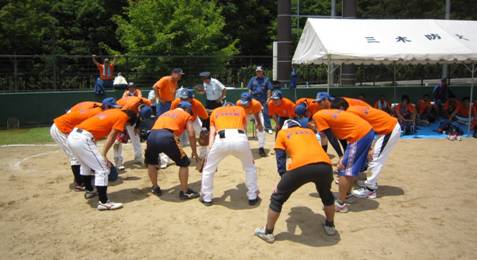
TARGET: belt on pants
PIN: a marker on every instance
(81, 131)
(221, 133)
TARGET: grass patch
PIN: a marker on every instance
(39, 135)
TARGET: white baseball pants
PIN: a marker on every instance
(260, 134)
(61, 139)
(235, 144)
(382, 148)
(84, 148)
(136, 142)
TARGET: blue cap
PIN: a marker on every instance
(277, 94)
(178, 71)
(186, 93)
(322, 95)
(145, 112)
(185, 105)
(300, 110)
(110, 102)
(245, 98)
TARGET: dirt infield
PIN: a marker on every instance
(426, 209)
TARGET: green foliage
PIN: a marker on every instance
(38, 135)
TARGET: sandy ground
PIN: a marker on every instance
(426, 209)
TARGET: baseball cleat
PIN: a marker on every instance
(364, 192)
(329, 230)
(254, 201)
(261, 233)
(90, 194)
(262, 152)
(206, 203)
(78, 188)
(156, 191)
(343, 208)
(189, 194)
(109, 205)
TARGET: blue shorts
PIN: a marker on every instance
(356, 155)
(164, 141)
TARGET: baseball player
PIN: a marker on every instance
(130, 103)
(199, 114)
(227, 137)
(253, 109)
(280, 109)
(359, 135)
(388, 131)
(82, 142)
(164, 138)
(165, 90)
(63, 125)
(309, 163)
(312, 106)
(132, 91)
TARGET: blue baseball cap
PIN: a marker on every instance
(186, 93)
(185, 105)
(245, 98)
(323, 95)
(300, 110)
(277, 94)
(145, 111)
(110, 102)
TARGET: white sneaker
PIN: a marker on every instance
(109, 205)
(364, 192)
(343, 208)
(121, 168)
(329, 230)
(260, 232)
(270, 131)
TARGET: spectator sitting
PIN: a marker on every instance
(383, 104)
(449, 108)
(406, 113)
(120, 82)
(463, 109)
(132, 91)
(426, 112)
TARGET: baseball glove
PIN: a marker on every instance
(204, 137)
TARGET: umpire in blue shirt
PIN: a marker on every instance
(261, 89)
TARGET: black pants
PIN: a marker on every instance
(164, 141)
(319, 173)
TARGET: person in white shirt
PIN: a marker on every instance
(213, 89)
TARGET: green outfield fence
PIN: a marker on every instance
(40, 108)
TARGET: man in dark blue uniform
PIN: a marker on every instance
(261, 89)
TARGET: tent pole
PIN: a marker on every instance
(330, 74)
(471, 97)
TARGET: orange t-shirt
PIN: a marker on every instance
(410, 107)
(285, 109)
(174, 120)
(311, 105)
(85, 105)
(102, 75)
(137, 93)
(68, 121)
(344, 125)
(197, 108)
(423, 105)
(133, 103)
(166, 87)
(301, 146)
(356, 102)
(229, 117)
(253, 107)
(381, 121)
(462, 111)
(101, 124)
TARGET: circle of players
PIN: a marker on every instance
(362, 137)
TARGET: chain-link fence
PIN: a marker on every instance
(20, 73)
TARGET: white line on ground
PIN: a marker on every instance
(17, 165)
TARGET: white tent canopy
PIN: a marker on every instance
(360, 41)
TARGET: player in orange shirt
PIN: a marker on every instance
(356, 102)
(199, 115)
(164, 138)
(359, 134)
(132, 91)
(406, 114)
(388, 132)
(82, 142)
(63, 125)
(165, 90)
(253, 108)
(228, 137)
(309, 163)
(280, 109)
(312, 106)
